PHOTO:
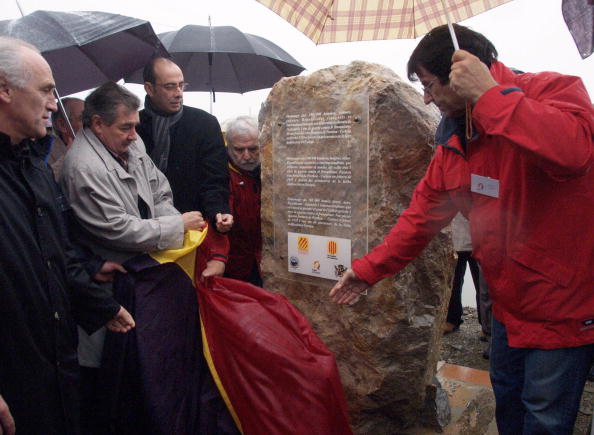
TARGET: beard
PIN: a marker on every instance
(249, 166)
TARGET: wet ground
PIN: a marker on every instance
(464, 348)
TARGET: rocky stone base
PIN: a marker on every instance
(471, 402)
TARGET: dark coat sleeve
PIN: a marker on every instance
(197, 167)
(92, 305)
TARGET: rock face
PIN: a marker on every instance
(387, 343)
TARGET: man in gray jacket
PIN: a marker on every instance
(123, 203)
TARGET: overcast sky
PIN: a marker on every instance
(529, 35)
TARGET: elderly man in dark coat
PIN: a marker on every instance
(43, 289)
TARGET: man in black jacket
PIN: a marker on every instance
(186, 144)
(43, 289)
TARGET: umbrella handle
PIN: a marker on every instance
(450, 27)
(468, 111)
(66, 117)
(20, 8)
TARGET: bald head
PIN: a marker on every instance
(164, 84)
(26, 90)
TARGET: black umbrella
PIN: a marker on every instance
(225, 59)
(579, 17)
(85, 49)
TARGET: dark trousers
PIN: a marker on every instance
(94, 413)
(455, 307)
(537, 391)
(254, 277)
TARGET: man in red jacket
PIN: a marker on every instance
(521, 172)
(245, 237)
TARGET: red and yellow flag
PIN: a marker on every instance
(273, 372)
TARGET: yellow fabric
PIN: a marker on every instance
(217, 379)
(185, 256)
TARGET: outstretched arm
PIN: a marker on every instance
(348, 288)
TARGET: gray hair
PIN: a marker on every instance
(12, 67)
(105, 101)
(58, 114)
(241, 126)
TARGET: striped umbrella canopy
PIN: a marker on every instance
(326, 21)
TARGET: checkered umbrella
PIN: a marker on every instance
(326, 21)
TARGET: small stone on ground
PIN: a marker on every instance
(463, 347)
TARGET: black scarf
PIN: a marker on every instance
(162, 122)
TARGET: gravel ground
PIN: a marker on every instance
(464, 348)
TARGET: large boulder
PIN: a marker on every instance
(387, 343)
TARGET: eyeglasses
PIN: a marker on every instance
(428, 86)
(173, 86)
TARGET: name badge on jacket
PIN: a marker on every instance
(484, 185)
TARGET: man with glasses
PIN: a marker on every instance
(187, 145)
(515, 155)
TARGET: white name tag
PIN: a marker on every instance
(484, 185)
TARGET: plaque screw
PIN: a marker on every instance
(357, 119)
(279, 124)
